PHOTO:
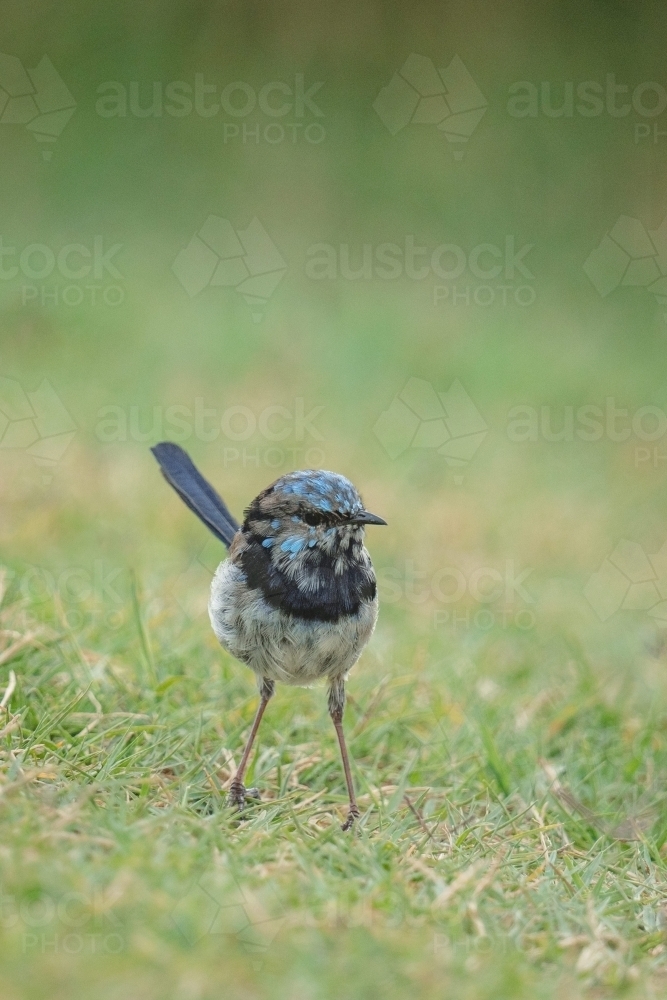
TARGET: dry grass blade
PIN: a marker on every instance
(418, 816)
(97, 718)
(630, 829)
(372, 705)
(13, 724)
(459, 883)
(25, 779)
(9, 690)
(29, 639)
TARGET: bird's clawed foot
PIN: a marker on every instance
(353, 815)
(238, 794)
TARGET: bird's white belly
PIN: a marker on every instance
(279, 646)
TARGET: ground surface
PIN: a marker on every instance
(513, 811)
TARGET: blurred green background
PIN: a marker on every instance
(136, 346)
(132, 339)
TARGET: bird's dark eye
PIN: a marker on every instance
(310, 517)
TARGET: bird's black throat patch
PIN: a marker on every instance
(336, 594)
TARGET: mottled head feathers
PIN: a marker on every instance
(313, 495)
(303, 545)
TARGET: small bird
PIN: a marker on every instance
(296, 600)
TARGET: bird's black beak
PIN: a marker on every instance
(365, 517)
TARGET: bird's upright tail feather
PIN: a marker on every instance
(180, 472)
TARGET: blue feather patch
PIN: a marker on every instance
(293, 544)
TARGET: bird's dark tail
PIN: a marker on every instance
(179, 471)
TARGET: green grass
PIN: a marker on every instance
(512, 839)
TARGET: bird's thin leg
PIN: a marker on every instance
(336, 706)
(237, 790)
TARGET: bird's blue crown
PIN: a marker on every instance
(328, 492)
(315, 497)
